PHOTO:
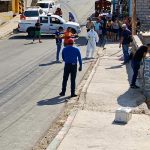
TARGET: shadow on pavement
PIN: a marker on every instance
(30, 43)
(53, 101)
(48, 64)
(115, 67)
(26, 37)
(132, 97)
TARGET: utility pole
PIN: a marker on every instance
(15, 7)
(133, 17)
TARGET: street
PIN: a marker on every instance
(30, 82)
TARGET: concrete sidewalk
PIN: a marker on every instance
(92, 126)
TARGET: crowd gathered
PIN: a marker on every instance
(104, 28)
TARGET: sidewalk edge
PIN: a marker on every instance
(82, 97)
(62, 133)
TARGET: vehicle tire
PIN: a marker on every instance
(73, 31)
(31, 32)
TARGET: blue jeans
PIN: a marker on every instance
(58, 50)
(125, 48)
(135, 66)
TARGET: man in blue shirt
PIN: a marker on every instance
(71, 55)
(58, 42)
(126, 33)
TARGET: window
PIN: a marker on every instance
(44, 20)
(31, 13)
(55, 20)
(43, 5)
(50, 6)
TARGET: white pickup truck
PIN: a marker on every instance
(48, 6)
(49, 25)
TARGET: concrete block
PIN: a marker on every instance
(123, 115)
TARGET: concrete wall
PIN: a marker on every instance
(144, 72)
(143, 10)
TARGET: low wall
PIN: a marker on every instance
(144, 72)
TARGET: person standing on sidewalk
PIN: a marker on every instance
(98, 29)
(70, 56)
(58, 42)
(136, 61)
(92, 38)
(126, 34)
(37, 32)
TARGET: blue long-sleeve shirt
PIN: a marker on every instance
(72, 55)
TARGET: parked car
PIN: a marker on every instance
(48, 6)
(32, 13)
(49, 25)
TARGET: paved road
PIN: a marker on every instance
(30, 81)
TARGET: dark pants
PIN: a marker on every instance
(135, 66)
(58, 51)
(72, 70)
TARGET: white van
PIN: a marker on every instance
(48, 6)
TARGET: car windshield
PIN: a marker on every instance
(31, 13)
(43, 5)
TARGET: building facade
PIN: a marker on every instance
(143, 11)
(5, 6)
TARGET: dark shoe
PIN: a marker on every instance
(134, 87)
(62, 94)
(74, 95)
(58, 61)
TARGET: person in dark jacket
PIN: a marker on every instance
(135, 63)
(71, 55)
(37, 31)
(124, 42)
(58, 37)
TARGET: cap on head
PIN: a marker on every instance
(70, 41)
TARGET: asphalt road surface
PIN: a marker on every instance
(30, 82)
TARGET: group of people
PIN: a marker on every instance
(114, 30)
(96, 32)
(109, 27)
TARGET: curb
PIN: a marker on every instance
(82, 97)
(62, 133)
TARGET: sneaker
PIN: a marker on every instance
(134, 87)
(74, 95)
(62, 94)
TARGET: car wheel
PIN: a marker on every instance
(73, 31)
